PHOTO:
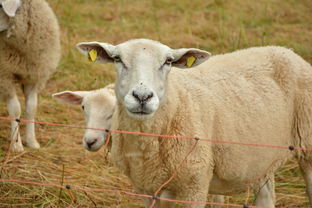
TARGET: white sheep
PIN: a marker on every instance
(98, 107)
(29, 53)
(259, 95)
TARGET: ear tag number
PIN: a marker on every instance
(190, 61)
(92, 55)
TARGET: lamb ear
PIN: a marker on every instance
(70, 97)
(189, 57)
(96, 51)
(11, 6)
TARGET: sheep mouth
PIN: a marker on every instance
(140, 113)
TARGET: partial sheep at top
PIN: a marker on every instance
(259, 95)
(29, 53)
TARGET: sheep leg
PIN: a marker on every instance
(14, 109)
(266, 194)
(200, 196)
(218, 199)
(196, 193)
(31, 95)
(167, 195)
(306, 169)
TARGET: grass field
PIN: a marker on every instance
(218, 26)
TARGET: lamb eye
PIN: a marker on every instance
(82, 107)
(117, 58)
(168, 61)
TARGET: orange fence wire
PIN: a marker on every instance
(290, 147)
(88, 189)
(154, 197)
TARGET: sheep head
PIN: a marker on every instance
(98, 107)
(142, 69)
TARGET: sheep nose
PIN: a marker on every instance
(91, 142)
(142, 98)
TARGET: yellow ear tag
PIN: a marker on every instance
(190, 61)
(92, 55)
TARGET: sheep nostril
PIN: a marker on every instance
(150, 96)
(136, 96)
(147, 97)
(91, 143)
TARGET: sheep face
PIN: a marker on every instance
(8, 9)
(142, 68)
(98, 108)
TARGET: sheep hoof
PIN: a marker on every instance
(33, 145)
(17, 147)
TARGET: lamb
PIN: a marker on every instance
(98, 106)
(29, 53)
(258, 95)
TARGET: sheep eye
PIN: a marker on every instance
(82, 107)
(117, 58)
(168, 61)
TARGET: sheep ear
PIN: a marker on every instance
(187, 58)
(11, 6)
(70, 97)
(96, 51)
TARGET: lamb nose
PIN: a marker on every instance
(90, 143)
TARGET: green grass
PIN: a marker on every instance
(218, 26)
